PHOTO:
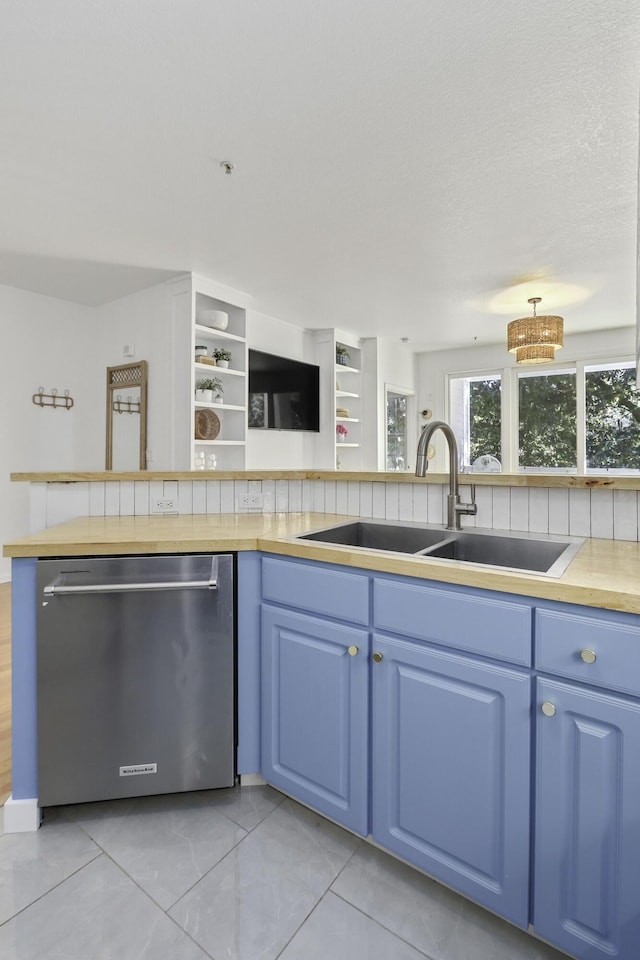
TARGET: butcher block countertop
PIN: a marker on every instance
(605, 573)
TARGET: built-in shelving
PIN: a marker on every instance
(232, 410)
(347, 397)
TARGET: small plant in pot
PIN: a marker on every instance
(222, 356)
(209, 389)
(342, 355)
(341, 433)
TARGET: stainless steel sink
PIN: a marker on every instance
(541, 553)
(518, 552)
(402, 538)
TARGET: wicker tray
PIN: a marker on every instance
(206, 425)
(210, 360)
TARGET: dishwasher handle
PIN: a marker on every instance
(57, 589)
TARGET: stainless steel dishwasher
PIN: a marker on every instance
(136, 676)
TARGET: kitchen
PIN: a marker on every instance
(69, 344)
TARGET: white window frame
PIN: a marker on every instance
(510, 414)
(412, 440)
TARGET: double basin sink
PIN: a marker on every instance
(542, 554)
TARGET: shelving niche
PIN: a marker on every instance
(229, 445)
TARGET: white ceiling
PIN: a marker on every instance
(396, 163)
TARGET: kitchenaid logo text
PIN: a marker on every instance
(134, 770)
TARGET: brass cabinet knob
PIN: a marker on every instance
(352, 650)
(588, 656)
(548, 709)
(377, 657)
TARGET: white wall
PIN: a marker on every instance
(49, 343)
(142, 319)
(387, 363)
(279, 449)
(433, 368)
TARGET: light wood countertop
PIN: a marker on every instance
(605, 573)
(482, 479)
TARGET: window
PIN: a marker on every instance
(396, 431)
(475, 414)
(582, 418)
(612, 408)
(400, 440)
(547, 438)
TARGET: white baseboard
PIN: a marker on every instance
(21, 816)
(252, 780)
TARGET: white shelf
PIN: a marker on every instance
(200, 328)
(220, 443)
(338, 445)
(348, 419)
(214, 370)
(345, 393)
(341, 368)
(217, 406)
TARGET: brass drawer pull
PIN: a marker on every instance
(352, 650)
(548, 709)
(377, 657)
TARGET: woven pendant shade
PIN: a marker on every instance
(535, 339)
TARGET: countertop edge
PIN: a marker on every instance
(533, 480)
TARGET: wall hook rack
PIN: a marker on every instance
(53, 399)
(126, 406)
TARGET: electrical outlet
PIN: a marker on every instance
(251, 501)
(164, 505)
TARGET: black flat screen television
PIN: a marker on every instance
(284, 394)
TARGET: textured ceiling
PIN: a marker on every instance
(396, 163)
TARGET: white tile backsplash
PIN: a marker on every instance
(127, 498)
(353, 498)
(625, 515)
(141, 505)
(502, 508)
(379, 500)
(342, 496)
(519, 508)
(557, 510)
(391, 501)
(602, 514)
(111, 501)
(539, 510)
(420, 502)
(366, 499)
(405, 501)
(199, 496)
(580, 513)
(96, 499)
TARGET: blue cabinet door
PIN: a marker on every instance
(450, 766)
(587, 848)
(315, 713)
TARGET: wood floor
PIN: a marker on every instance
(5, 691)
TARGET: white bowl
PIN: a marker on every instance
(217, 319)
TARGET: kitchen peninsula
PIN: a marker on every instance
(531, 682)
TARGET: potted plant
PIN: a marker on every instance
(209, 389)
(204, 393)
(222, 356)
(341, 433)
(342, 355)
(218, 389)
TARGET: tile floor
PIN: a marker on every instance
(241, 874)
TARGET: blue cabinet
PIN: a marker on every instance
(587, 846)
(450, 765)
(315, 713)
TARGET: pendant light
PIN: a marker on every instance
(535, 339)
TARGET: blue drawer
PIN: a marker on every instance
(484, 625)
(566, 642)
(310, 586)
